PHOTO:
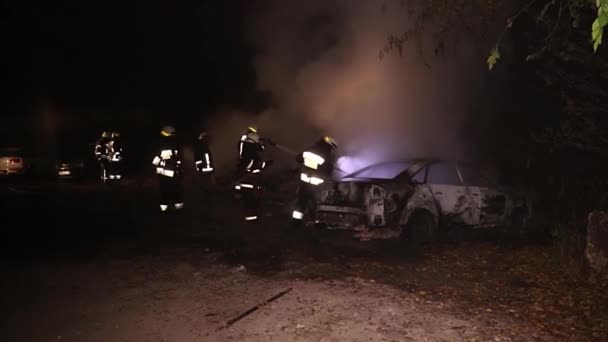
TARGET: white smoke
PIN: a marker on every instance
(320, 61)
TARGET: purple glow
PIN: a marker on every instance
(350, 164)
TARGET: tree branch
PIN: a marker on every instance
(559, 16)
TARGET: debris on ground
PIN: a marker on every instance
(253, 309)
(239, 268)
(377, 233)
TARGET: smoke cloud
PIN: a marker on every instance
(320, 61)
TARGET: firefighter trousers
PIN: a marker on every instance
(251, 203)
(305, 199)
(114, 170)
(103, 169)
(170, 193)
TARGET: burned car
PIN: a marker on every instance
(415, 197)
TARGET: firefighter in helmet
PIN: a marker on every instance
(169, 170)
(101, 154)
(203, 160)
(249, 169)
(251, 147)
(316, 167)
(115, 156)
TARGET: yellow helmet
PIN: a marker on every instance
(252, 129)
(167, 131)
(105, 134)
(329, 140)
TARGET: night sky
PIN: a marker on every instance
(153, 56)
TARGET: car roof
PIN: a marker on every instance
(416, 163)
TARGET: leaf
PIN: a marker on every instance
(602, 18)
(596, 34)
(493, 58)
(597, 28)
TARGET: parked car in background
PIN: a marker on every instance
(68, 169)
(12, 162)
(73, 160)
(413, 198)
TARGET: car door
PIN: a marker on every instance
(458, 203)
(491, 200)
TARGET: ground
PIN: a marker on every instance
(107, 266)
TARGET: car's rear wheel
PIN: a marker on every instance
(421, 228)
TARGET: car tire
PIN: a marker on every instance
(421, 228)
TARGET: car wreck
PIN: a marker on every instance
(415, 198)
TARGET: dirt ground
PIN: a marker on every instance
(164, 299)
(182, 278)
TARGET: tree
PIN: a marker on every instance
(561, 40)
(574, 7)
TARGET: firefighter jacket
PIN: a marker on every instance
(250, 149)
(114, 150)
(101, 148)
(317, 162)
(169, 161)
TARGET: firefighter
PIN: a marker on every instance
(203, 160)
(101, 154)
(115, 157)
(316, 166)
(249, 168)
(251, 147)
(169, 170)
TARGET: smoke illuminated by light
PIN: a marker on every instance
(348, 164)
(320, 61)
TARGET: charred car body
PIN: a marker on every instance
(416, 197)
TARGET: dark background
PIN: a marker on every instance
(136, 65)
